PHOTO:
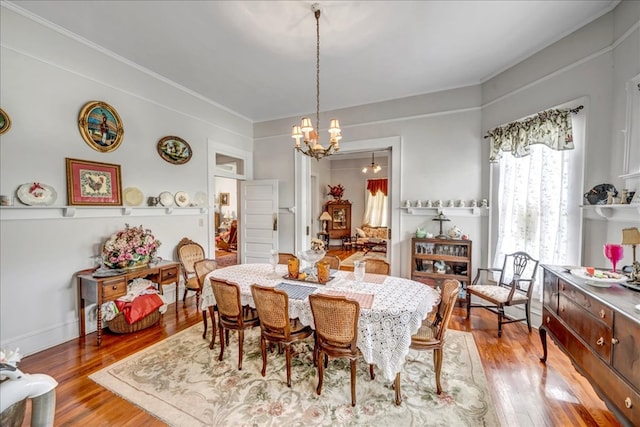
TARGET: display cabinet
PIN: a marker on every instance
(434, 260)
(340, 224)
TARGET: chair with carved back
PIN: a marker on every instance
(273, 310)
(377, 266)
(432, 332)
(336, 325)
(231, 315)
(202, 268)
(283, 257)
(334, 261)
(231, 244)
(511, 285)
(188, 253)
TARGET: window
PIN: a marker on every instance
(536, 209)
(376, 212)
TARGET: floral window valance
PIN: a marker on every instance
(551, 128)
(375, 185)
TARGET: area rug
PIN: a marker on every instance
(181, 382)
(360, 255)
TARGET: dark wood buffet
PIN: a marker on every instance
(599, 329)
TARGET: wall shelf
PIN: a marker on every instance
(615, 212)
(458, 211)
(8, 213)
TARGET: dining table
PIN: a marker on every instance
(391, 308)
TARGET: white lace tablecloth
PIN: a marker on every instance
(384, 330)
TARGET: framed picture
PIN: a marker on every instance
(5, 122)
(174, 150)
(100, 126)
(93, 183)
(224, 199)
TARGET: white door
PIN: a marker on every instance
(259, 220)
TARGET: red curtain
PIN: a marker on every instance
(375, 185)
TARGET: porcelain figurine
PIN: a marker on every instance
(454, 232)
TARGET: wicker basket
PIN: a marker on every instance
(119, 324)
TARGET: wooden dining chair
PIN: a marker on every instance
(273, 310)
(202, 268)
(336, 325)
(511, 285)
(231, 315)
(432, 332)
(334, 261)
(188, 253)
(377, 266)
(283, 257)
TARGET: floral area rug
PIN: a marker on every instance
(360, 255)
(181, 382)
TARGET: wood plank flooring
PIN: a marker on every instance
(525, 391)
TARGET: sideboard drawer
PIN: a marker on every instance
(596, 308)
(112, 289)
(169, 275)
(550, 288)
(626, 351)
(594, 332)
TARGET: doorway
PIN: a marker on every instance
(303, 176)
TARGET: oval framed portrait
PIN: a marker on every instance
(100, 126)
(174, 150)
(5, 122)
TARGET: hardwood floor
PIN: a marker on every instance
(525, 391)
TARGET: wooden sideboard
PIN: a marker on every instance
(104, 289)
(599, 329)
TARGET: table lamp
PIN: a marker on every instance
(324, 218)
(631, 236)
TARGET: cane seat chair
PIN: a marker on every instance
(432, 332)
(273, 310)
(336, 325)
(334, 261)
(377, 266)
(283, 257)
(231, 315)
(202, 268)
(188, 253)
(511, 285)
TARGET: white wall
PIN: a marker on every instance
(46, 77)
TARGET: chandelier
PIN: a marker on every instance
(375, 168)
(305, 130)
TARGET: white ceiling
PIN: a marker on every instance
(257, 58)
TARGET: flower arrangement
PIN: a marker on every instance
(317, 245)
(130, 247)
(336, 191)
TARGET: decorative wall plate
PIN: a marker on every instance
(166, 199)
(200, 198)
(5, 122)
(174, 150)
(182, 199)
(100, 126)
(36, 194)
(132, 196)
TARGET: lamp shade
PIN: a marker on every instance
(325, 216)
(630, 236)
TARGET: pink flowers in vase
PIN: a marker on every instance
(130, 247)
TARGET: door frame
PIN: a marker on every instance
(214, 148)
(303, 191)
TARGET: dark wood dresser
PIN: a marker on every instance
(599, 329)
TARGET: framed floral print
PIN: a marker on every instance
(174, 150)
(100, 126)
(5, 122)
(93, 183)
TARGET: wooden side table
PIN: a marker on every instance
(104, 289)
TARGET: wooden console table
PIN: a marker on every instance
(599, 329)
(103, 289)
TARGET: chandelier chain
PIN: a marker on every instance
(317, 14)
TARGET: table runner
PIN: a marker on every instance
(296, 291)
(365, 300)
